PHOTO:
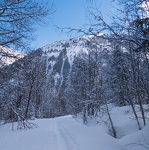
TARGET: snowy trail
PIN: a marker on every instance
(64, 140)
(65, 133)
(51, 135)
(62, 133)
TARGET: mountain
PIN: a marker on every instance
(41, 83)
(61, 55)
(8, 56)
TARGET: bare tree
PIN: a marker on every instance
(18, 19)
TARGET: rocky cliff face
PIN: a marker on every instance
(61, 55)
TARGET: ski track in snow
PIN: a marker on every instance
(50, 135)
(65, 133)
(63, 138)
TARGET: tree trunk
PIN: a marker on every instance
(28, 102)
(111, 122)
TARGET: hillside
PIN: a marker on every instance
(47, 72)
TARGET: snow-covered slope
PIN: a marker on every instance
(61, 54)
(9, 56)
(62, 50)
(67, 133)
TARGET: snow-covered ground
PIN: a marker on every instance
(67, 133)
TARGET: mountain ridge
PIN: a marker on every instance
(9, 56)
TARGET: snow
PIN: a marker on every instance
(62, 70)
(73, 48)
(137, 141)
(62, 133)
(68, 133)
(124, 118)
(145, 5)
(9, 56)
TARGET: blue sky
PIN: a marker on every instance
(69, 13)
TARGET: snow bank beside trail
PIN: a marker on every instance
(124, 121)
(127, 129)
(128, 133)
(65, 133)
(136, 141)
(33, 139)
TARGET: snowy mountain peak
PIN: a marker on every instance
(8, 56)
(67, 50)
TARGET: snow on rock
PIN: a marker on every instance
(70, 49)
(9, 56)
